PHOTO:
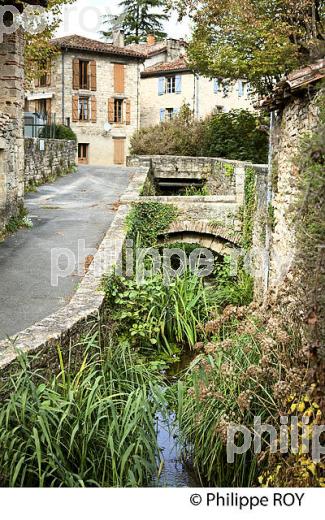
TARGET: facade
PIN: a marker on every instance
(94, 88)
(11, 118)
(166, 86)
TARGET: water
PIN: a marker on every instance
(174, 472)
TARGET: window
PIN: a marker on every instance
(83, 153)
(44, 74)
(40, 106)
(169, 114)
(83, 74)
(118, 110)
(170, 85)
(83, 109)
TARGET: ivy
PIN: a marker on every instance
(249, 206)
(148, 220)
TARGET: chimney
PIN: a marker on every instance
(118, 38)
(151, 39)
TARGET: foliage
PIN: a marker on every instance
(21, 220)
(92, 427)
(236, 135)
(137, 19)
(191, 191)
(58, 132)
(257, 40)
(233, 135)
(158, 312)
(148, 219)
(231, 289)
(238, 375)
(38, 50)
(249, 206)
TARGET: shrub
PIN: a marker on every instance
(59, 132)
(234, 135)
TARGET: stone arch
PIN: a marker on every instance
(220, 240)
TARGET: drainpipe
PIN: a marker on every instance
(269, 198)
(63, 85)
(138, 94)
(196, 96)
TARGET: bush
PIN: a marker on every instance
(59, 132)
(234, 135)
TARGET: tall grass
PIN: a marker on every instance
(226, 384)
(93, 427)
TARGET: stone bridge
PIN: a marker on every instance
(219, 239)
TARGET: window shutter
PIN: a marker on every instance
(75, 104)
(240, 88)
(75, 74)
(178, 84)
(36, 81)
(93, 109)
(111, 110)
(128, 112)
(162, 115)
(161, 86)
(119, 78)
(216, 86)
(93, 75)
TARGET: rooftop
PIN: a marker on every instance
(150, 49)
(87, 44)
(297, 80)
(179, 65)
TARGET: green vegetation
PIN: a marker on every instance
(147, 220)
(21, 220)
(236, 135)
(255, 40)
(58, 132)
(91, 427)
(249, 206)
(137, 19)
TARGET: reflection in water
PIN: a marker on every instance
(174, 472)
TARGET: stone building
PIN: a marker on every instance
(11, 120)
(167, 83)
(94, 87)
(295, 110)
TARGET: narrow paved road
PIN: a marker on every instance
(75, 207)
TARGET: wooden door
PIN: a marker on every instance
(119, 151)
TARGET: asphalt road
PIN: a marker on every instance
(74, 208)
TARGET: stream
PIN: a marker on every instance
(174, 472)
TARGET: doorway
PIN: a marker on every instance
(83, 153)
(119, 151)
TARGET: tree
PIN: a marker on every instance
(137, 19)
(259, 40)
(38, 50)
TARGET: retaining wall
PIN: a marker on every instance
(46, 159)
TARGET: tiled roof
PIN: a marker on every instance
(296, 80)
(148, 50)
(179, 65)
(87, 44)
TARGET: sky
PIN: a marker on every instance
(84, 18)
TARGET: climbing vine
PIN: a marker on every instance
(148, 219)
(249, 206)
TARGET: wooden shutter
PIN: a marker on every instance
(48, 73)
(93, 75)
(36, 81)
(93, 109)
(75, 74)
(128, 112)
(119, 79)
(75, 103)
(111, 110)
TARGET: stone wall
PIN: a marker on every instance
(299, 115)
(46, 159)
(222, 176)
(11, 126)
